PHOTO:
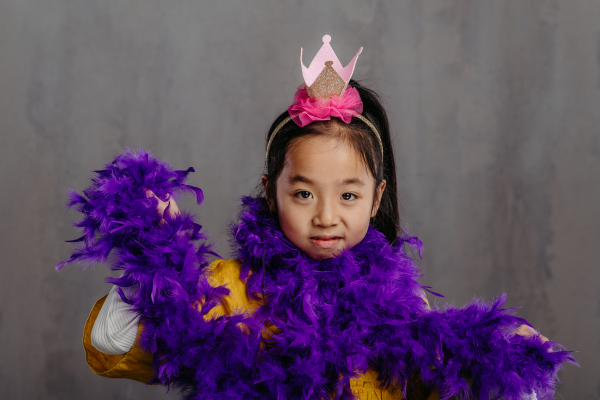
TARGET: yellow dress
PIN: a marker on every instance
(137, 364)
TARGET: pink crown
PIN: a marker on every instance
(325, 77)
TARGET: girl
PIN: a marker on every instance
(321, 300)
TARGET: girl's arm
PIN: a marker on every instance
(115, 329)
(168, 258)
(484, 350)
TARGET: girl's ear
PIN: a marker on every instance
(377, 199)
(265, 182)
(264, 179)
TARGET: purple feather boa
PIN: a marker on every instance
(335, 318)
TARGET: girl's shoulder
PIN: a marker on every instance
(227, 273)
(224, 272)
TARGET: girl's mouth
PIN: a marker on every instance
(325, 242)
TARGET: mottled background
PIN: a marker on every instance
(495, 108)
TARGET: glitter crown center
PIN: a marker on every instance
(325, 77)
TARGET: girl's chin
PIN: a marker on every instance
(319, 253)
(319, 257)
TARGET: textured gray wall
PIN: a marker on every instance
(495, 106)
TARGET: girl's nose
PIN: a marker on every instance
(326, 214)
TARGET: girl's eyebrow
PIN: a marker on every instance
(303, 179)
(353, 181)
(300, 178)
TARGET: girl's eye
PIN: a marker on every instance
(348, 196)
(304, 194)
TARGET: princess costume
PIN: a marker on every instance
(273, 323)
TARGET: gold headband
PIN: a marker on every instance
(288, 119)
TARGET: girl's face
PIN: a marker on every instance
(325, 196)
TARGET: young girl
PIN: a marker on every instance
(320, 302)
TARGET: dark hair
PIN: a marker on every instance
(362, 138)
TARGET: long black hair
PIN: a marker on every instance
(362, 138)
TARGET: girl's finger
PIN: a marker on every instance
(525, 331)
(173, 209)
(162, 205)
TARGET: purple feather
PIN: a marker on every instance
(334, 317)
(81, 239)
(198, 192)
(123, 297)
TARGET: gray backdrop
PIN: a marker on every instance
(495, 108)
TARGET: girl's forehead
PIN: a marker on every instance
(322, 156)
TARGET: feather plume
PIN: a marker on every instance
(335, 318)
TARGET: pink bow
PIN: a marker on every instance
(306, 110)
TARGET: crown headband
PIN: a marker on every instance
(325, 93)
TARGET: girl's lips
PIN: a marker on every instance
(325, 242)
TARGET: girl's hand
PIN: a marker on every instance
(527, 331)
(162, 206)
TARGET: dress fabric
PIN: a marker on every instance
(136, 364)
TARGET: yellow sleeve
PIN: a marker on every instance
(367, 387)
(227, 273)
(137, 364)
